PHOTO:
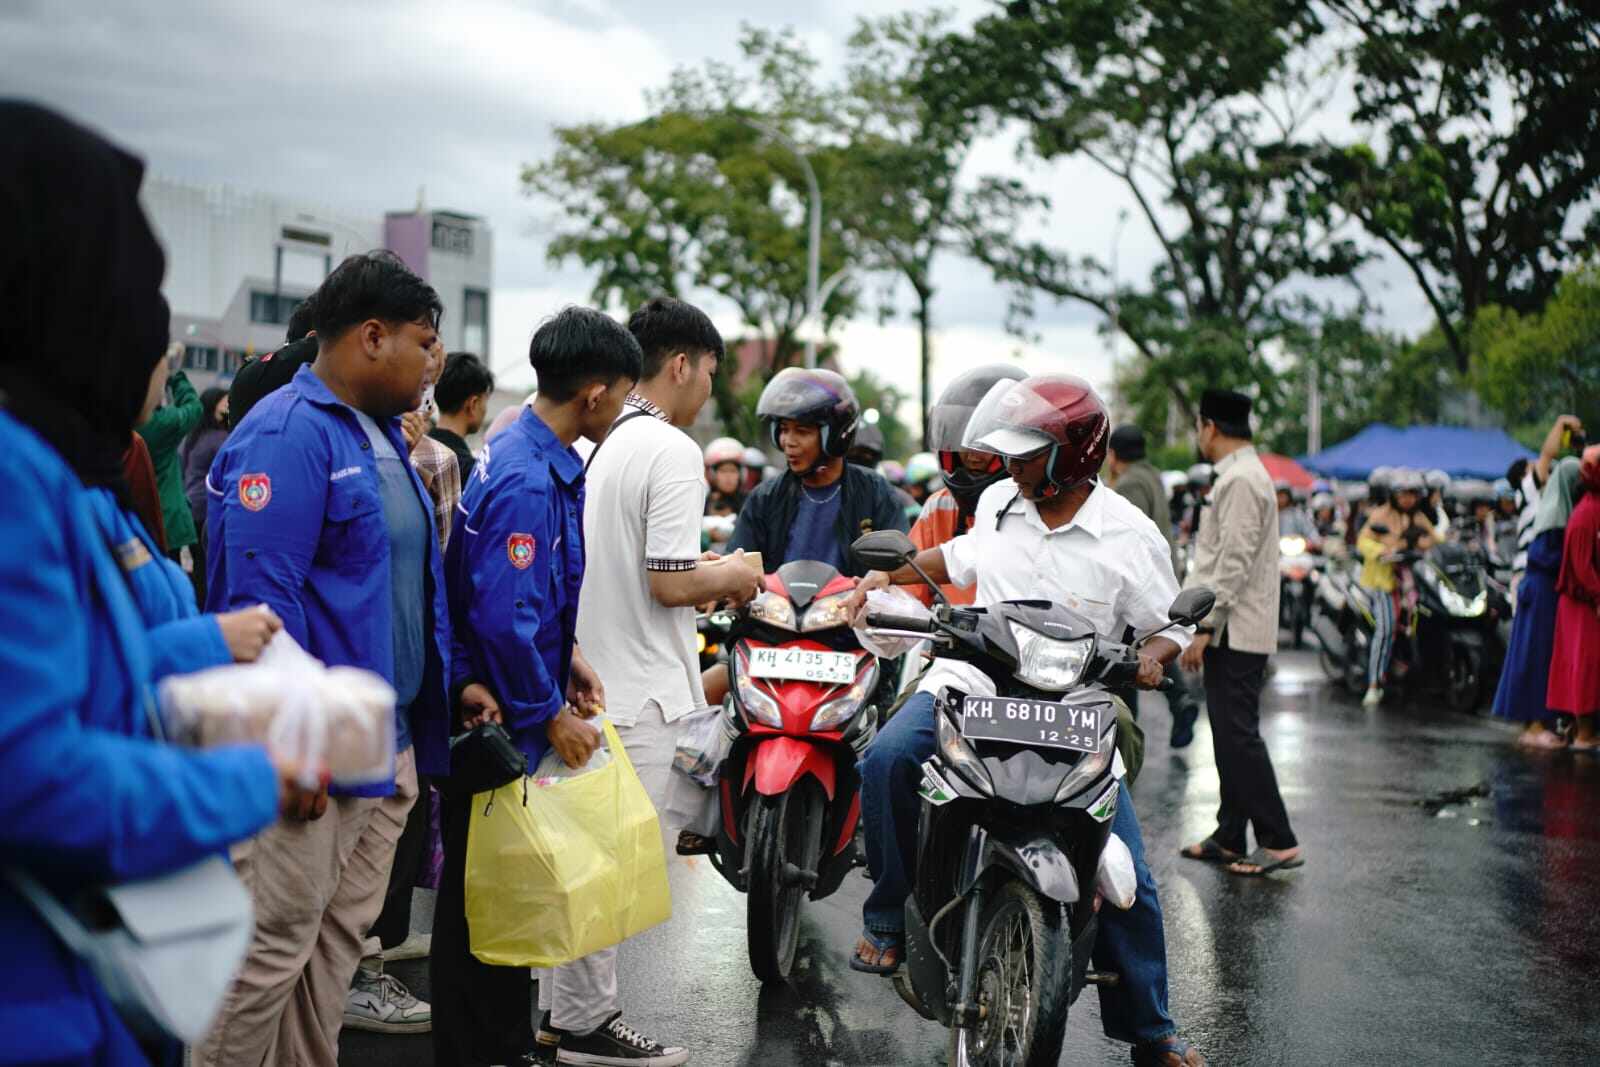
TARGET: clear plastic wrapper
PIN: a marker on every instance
(552, 768)
(1115, 877)
(338, 718)
(702, 745)
(891, 601)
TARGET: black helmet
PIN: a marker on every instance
(947, 425)
(819, 398)
(867, 449)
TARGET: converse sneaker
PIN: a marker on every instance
(378, 1003)
(546, 1039)
(616, 1044)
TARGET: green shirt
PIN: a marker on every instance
(162, 434)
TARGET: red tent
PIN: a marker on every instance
(1282, 467)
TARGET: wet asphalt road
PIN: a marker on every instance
(1419, 932)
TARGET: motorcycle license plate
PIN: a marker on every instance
(1033, 722)
(803, 665)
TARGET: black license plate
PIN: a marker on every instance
(1033, 722)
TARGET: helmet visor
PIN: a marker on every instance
(1008, 422)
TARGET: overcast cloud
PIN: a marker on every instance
(360, 103)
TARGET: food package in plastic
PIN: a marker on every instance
(341, 718)
(558, 871)
(891, 601)
(703, 744)
(1115, 878)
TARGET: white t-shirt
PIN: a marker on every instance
(1110, 564)
(1525, 519)
(646, 491)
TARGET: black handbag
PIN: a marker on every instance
(483, 759)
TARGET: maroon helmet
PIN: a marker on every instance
(1058, 412)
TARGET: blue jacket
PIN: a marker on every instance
(296, 522)
(516, 564)
(181, 639)
(86, 796)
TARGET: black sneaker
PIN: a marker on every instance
(616, 1044)
(545, 1040)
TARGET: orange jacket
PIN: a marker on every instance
(935, 526)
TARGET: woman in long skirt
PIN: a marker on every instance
(1575, 666)
(1522, 695)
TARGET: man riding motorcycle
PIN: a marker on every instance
(1292, 518)
(1050, 531)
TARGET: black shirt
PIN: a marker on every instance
(457, 444)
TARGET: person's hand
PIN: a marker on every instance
(573, 739)
(1151, 673)
(1570, 422)
(295, 801)
(744, 582)
(857, 604)
(247, 632)
(414, 425)
(478, 706)
(585, 691)
(1193, 658)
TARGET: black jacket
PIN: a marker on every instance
(867, 503)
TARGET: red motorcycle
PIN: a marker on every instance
(800, 700)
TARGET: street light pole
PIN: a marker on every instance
(814, 238)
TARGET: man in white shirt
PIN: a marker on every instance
(1051, 531)
(645, 492)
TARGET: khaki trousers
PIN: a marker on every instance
(317, 887)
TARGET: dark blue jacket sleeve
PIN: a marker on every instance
(503, 605)
(83, 800)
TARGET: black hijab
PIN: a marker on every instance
(80, 271)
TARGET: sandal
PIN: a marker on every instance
(1208, 851)
(1545, 740)
(889, 948)
(1171, 1051)
(1264, 863)
(692, 844)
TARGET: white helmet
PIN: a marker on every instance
(724, 450)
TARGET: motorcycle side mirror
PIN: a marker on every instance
(1191, 606)
(883, 550)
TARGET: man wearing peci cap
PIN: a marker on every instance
(1137, 481)
(1236, 556)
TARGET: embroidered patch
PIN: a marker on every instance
(519, 549)
(132, 554)
(255, 491)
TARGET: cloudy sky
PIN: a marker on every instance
(360, 103)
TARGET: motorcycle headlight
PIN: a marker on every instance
(773, 610)
(1090, 767)
(1461, 606)
(827, 613)
(1047, 663)
(700, 642)
(960, 757)
(838, 711)
(1292, 546)
(758, 705)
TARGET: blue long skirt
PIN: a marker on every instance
(1525, 680)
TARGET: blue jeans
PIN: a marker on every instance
(1131, 943)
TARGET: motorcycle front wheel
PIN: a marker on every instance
(1024, 974)
(785, 836)
(1466, 677)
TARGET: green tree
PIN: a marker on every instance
(1533, 366)
(1484, 116)
(1198, 110)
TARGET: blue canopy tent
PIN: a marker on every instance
(1457, 450)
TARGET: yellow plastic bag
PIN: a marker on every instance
(577, 868)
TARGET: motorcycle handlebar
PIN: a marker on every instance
(899, 622)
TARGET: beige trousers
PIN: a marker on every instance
(317, 887)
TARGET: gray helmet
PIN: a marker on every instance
(1322, 500)
(1200, 475)
(1405, 480)
(947, 419)
(1381, 476)
(1436, 479)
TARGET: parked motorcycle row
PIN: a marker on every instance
(1015, 855)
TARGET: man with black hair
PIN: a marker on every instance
(462, 397)
(516, 565)
(315, 512)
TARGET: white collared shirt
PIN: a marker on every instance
(1111, 564)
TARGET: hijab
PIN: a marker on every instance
(80, 271)
(1557, 499)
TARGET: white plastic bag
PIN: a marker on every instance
(341, 718)
(1115, 878)
(891, 601)
(552, 768)
(691, 800)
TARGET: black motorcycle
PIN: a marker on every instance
(1017, 804)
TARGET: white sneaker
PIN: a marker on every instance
(379, 1004)
(418, 946)
(1373, 697)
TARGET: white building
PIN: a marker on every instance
(239, 262)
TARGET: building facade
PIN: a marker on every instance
(239, 263)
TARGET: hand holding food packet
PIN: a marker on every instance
(338, 719)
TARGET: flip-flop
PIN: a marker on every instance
(1210, 852)
(1547, 741)
(882, 943)
(1575, 746)
(1265, 863)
